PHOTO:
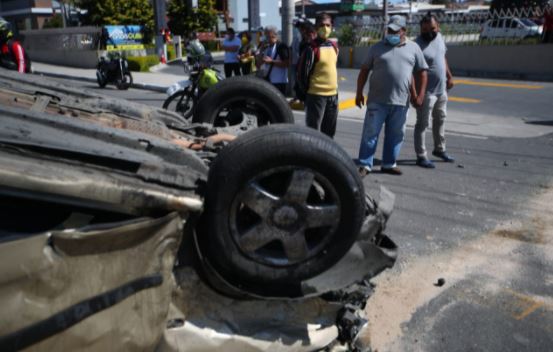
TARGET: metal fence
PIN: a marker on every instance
(502, 27)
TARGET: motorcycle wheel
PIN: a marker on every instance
(125, 83)
(181, 102)
(101, 78)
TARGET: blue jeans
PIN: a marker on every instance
(394, 116)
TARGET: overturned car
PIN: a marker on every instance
(126, 227)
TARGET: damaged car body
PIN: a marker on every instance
(127, 227)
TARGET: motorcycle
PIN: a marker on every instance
(115, 70)
(183, 96)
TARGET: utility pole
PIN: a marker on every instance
(159, 24)
(302, 8)
(288, 11)
(254, 21)
(385, 16)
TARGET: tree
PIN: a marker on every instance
(117, 12)
(183, 20)
(55, 21)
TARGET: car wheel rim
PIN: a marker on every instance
(235, 112)
(285, 216)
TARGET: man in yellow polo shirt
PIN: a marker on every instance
(318, 78)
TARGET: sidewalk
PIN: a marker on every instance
(155, 81)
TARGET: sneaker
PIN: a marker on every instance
(424, 162)
(364, 171)
(444, 156)
(391, 170)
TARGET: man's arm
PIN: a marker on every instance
(413, 92)
(284, 58)
(361, 80)
(421, 79)
(305, 66)
(19, 57)
(449, 76)
(229, 47)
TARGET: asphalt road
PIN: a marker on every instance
(483, 224)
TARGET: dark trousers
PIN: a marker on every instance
(232, 67)
(246, 68)
(547, 37)
(281, 87)
(321, 112)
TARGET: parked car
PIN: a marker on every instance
(127, 227)
(508, 27)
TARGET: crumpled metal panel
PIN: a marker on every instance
(102, 288)
(201, 319)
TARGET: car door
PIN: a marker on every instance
(506, 30)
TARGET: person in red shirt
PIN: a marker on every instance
(548, 24)
(12, 54)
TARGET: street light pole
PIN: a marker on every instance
(288, 12)
(385, 15)
(160, 23)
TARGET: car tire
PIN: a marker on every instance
(283, 204)
(243, 94)
(101, 79)
(125, 83)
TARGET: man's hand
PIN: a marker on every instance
(419, 101)
(449, 83)
(414, 100)
(359, 100)
(267, 59)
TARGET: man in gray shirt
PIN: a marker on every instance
(440, 79)
(393, 62)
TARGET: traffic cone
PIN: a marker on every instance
(163, 61)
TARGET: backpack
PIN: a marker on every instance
(302, 86)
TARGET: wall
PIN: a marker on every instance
(529, 62)
(74, 46)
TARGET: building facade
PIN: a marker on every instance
(26, 14)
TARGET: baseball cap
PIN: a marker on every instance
(396, 23)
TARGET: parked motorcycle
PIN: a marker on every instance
(183, 96)
(115, 70)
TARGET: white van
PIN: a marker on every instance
(509, 27)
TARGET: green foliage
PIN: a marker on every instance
(183, 20)
(212, 45)
(116, 12)
(55, 21)
(142, 63)
(346, 35)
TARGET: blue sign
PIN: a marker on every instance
(124, 37)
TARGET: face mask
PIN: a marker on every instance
(393, 39)
(324, 32)
(244, 41)
(429, 36)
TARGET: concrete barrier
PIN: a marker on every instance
(528, 62)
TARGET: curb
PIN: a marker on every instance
(144, 86)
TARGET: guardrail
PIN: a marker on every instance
(502, 27)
